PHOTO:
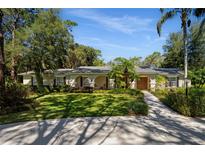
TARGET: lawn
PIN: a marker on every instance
(63, 105)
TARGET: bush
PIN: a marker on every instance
(62, 88)
(192, 105)
(160, 81)
(133, 92)
(16, 99)
(43, 90)
(139, 108)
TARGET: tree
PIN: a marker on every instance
(47, 43)
(119, 66)
(82, 55)
(196, 48)
(2, 62)
(185, 15)
(136, 60)
(173, 52)
(198, 77)
(14, 19)
(173, 49)
(155, 59)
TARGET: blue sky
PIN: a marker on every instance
(120, 32)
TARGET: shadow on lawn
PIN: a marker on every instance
(157, 128)
(82, 105)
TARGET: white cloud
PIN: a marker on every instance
(125, 24)
(102, 43)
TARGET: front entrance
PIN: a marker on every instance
(142, 83)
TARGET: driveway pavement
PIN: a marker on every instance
(161, 126)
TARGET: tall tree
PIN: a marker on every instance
(47, 43)
(185, 15)
(82, 55)
(14, 19)
(196, 48)
(2, 62)
(173, 51)
(155, 59)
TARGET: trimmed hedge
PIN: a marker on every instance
(139, 108)
(133, 92)
(192, 105)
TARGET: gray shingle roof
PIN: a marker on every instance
(92, 69)
(145, 70)
(107, 69)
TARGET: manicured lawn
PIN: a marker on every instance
(63, 105)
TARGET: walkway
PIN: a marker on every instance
(161, 126)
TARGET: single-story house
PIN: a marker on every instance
(98, 78)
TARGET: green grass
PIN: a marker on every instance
(63, 105)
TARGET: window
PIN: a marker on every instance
(172, 81)
(59, 80)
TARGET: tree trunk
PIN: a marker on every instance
(184, 27)
(39, 79)
(13, 63)
(2, 63)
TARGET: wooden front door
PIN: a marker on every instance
(142, 83)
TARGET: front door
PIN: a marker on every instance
(142, 83)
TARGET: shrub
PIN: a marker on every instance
(43, 90)
(62, 88)
(191, 105)
(177, 100)
(197, 101)
(139, 108)
(198, 77)
(133, 92)
(160, 81)
(16, 98)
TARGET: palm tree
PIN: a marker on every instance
(185, 16)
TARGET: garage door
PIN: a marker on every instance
(142, 83)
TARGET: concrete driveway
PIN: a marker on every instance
(162, 126)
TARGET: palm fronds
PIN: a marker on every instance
(164, 18)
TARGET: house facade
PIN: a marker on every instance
(98, 78)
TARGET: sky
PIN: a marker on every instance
(120, 32)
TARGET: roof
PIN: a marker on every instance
(160, 71)
(169, 71)
(27, 73)
(57, 71)
(145, 70)
(107, 69)
(92, 69)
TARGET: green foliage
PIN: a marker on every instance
(119, 65)
(155, 59)
(15, 98)
(62, 88)
(197, 47)
(82, 55)
(160, 81)
(197, 77)
(47, 42)
(133, 92)
(139, 108)
(173, 51)
(193, 105)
